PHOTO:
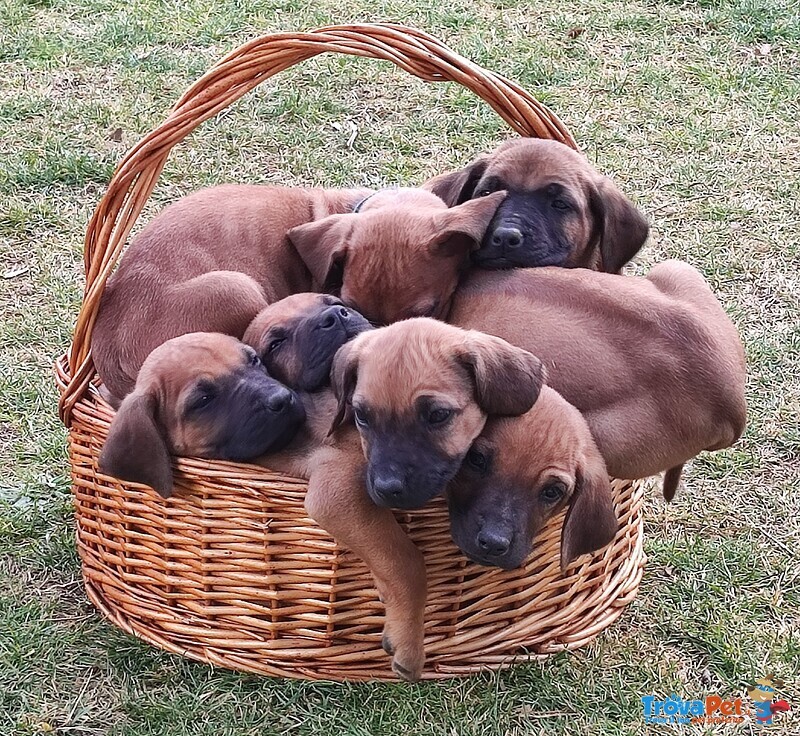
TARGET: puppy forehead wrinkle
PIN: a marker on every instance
(405, 361)
(548, 438)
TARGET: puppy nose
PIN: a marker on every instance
(388, 486)
(493, 543)
(280, 400)
(332, 315)
(507, 237)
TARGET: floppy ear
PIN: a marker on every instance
(590, 522)
(622, 228)
(459, 186)
(461, 229)
(323, 247)
(344, 375)
(507, 379)
(135, 449)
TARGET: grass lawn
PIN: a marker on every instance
(691, 106)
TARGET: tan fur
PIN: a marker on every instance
(209, 262)
(654, 364)
(400, 256)
(337, 500)
(392, 368)
(151, 423)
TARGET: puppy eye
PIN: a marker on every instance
(202, 400)
(483, 192)
(439, 416)
(552, 493)
(478, 460)
(361, 417)
(560, 204)
(275, 344)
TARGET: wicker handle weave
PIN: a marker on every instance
(239, 72)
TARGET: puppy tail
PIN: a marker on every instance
(671, 480)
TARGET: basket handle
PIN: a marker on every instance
(236, 74)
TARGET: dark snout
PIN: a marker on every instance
(317, 339)
(387, 485)
(280, 401)
(496, 544)
(339, 318)
(406, 474)
(506, 238)
(524, 233)
(487, 528)
(260, 416)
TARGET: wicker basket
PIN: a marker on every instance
(231, 571)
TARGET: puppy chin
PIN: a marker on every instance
(519, 259)
(356, 325)
(510, 561)
(406, 502)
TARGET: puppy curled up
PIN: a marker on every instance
(209, 262)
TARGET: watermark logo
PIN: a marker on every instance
(761, 705)
(765, 702)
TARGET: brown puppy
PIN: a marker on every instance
(421, 391)
(520, 472)
(654, 364)
(308, 330)
(199, 394)
(559, 210)
(209, 262)
(399, 256)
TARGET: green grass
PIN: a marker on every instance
(691, 106)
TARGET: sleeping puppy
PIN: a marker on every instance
(200, 394)
(420, 391)
(519, 473)
(559, 210)
(213, 260)
(399, 255)
(654, 364)
(297, 337)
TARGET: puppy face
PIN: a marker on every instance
(400, 256)
(297, 337)
(204, 395)
(520, 472)
(420, 391)
(559, 210)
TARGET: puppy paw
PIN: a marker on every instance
(405, 673)
(407, 661)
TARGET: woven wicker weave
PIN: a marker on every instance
(230, 570)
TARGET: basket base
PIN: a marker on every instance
(232, 572)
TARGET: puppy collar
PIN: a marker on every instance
(360, 204)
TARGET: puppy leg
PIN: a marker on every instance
(218, 301)
(337, 500)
